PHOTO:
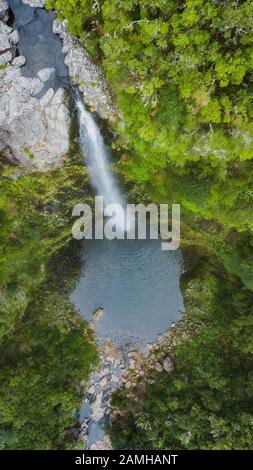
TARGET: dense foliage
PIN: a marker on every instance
(45, 348)
(181, 74)
(207, 402)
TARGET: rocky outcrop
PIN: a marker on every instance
(34, 129)
(84, 73)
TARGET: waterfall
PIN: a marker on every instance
(94, 149)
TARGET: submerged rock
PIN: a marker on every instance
(98, 314)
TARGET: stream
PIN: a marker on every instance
(128, 289)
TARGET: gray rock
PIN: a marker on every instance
(5, 58)
(10, 74)
(4, 28)
(4, 10)
(45, 74)
(35, 3)
(38, 86)
(19, 61)
(45, 100)
(5, 43)
(168, 365)
(3, 118)
(14, 37)
(33, 131)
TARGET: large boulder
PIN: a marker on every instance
(19, 61)
(45, 74)
(36, 130)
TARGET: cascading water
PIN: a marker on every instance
(94, 149)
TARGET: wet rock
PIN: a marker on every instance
(98, 314)
(168, 365)
(19, 61)
(45, 74)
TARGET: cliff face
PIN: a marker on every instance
(34, 111)
(34, 119)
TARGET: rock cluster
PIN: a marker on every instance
(34, 129)
(102, 384)
(121, 367)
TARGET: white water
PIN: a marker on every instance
(94, 149)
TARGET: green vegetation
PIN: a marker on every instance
(207, 402)
(42, 369)
(181, 73)
(46, 350)
(28, 152)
